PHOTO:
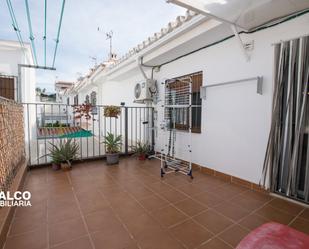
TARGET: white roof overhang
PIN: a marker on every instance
(245, 14)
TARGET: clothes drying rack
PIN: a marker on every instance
(177, 118)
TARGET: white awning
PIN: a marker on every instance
(245, 14)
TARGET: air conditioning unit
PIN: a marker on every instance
(144, 91)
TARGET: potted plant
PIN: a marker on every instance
(65, 153)
(113, 144)
(55, 156)
(112, 111)
(141, 150)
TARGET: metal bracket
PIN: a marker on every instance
(240, 42)
(19, 86)
(258, 79)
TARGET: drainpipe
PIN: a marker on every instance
(148, 104)
(140, 66)
(19, 86)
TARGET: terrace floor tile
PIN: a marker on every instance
(129, 206)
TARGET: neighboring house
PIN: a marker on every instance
(12, 85)
(57, 113)
(52, 113)
(61, 87)
(232, 127)
(88, 88)
(46, 98)
(18, 83)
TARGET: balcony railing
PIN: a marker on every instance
(47, 124)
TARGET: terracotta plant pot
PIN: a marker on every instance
(56, 166)
(142, 157)
(66, 166)
(112, 158)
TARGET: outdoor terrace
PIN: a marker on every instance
(130, 206)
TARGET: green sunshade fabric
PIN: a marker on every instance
(78, 134)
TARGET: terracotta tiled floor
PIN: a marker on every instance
(128, 206)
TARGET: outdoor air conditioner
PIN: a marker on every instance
(144, 90)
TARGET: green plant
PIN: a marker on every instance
(65, 152)
(55, 155)
(112, 143)
(112, 111)
(141, 149)
(56, 124)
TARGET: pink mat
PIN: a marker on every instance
(274, 236)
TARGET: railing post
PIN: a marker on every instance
(152, 129)
(126, 130)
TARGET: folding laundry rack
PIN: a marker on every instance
(177, 116)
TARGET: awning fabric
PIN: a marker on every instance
(62, 132)
(78, 134)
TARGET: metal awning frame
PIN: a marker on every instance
(232, 25)
(190, 7)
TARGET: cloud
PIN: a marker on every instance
(132, 21)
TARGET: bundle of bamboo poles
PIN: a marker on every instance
(12, 142)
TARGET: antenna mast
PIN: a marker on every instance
(94, 59)
(109, 36)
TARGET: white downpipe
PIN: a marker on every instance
(148, 104)
(139, 64)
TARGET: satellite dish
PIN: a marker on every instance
(137, 90)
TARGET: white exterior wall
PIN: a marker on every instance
(235, 119)
(114, 92)
(87, 91)
(10, 56)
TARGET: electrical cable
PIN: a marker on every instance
(31, 36)
(58, 33)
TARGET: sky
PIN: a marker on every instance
(131, 21)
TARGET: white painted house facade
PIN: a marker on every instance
(18, 83)
(235, 119)
(11, 55)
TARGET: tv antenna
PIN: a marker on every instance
(109, 36)
(94, 59)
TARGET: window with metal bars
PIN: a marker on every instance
(93, 98)
(182, 114)
(87, 99)
(93, 102)
(76, 100)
